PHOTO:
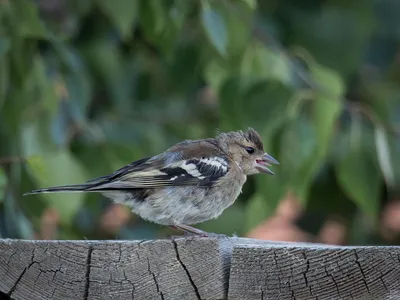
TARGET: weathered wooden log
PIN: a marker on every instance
(196, 268)
(314, 272)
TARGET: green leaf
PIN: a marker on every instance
(238, 29)
(329, 81)
(261, 105)
(256, 211)
(76, 80)
(326, 196)
(215, 27)
(122, 14)
(382, 99)
(10, 214)
(216, 73)
(395, 148)
(231, 221)
(107, 61)
(153, 18)
(231, 104)
(4, 45)
(326, 114)
(81, 8)
(3, 184)
(251, 3)
(356, 169)
(312, 139)
(298, 156)
(260, 62)
(27, 20)
(384, 156)
(24, 227)
(59, 168)
(45, 85)
(36, 95)
(4, 69)
(387, 147)
(328, 105)
(345, 31)
(48, 166)
(79, 94)
(34, 138)
(265, 102)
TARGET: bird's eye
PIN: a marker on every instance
(250, 150)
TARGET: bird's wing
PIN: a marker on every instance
(198, 163)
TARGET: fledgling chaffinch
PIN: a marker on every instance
(191, 182)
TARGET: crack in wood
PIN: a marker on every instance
(131, 283)
(364, 279)
(154, 279)
(334, 281)
(87, 274)
(13, 288)
(4, 296)
(381, 277)
(17, 282)
(196, 291)
(307, 262)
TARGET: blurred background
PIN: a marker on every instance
(87, 86)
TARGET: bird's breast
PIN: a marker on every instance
(184, 205)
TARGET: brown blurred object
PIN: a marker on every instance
(281, 227)
(61, 88)
(332, 232)
(390, 223)
(54, 9)
(116, 216)
(207, 96)
(49, 224)
(289, 208)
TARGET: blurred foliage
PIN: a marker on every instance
(89, 86)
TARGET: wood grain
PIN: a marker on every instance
(314, 272)
(196, 268)
(161, 269)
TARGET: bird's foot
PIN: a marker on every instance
(190, 230)
(194, 231)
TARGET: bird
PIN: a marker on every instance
(191, 182)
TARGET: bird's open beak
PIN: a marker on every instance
(264, 162)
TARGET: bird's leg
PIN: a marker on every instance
(193, 230)
(189, 229)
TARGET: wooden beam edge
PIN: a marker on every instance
(204, 268)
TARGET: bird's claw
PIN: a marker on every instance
(193, 232)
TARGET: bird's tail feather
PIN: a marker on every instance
(62, 189)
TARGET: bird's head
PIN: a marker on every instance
(247, 149)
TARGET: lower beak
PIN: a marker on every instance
(264, 162)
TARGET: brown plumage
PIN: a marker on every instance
(191, 182)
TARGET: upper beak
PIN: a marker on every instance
(264, 162)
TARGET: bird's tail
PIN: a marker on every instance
(62, 189)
